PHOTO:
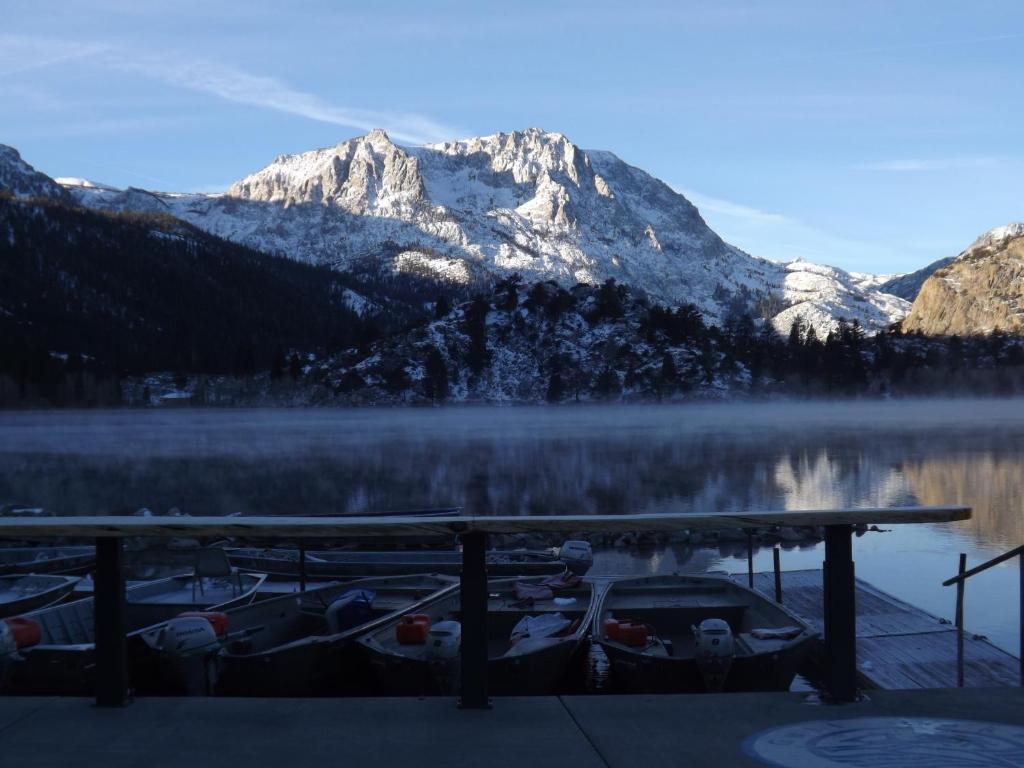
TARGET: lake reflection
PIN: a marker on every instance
(729, 457)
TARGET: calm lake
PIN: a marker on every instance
(612, 459)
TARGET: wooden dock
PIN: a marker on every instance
(899, 646)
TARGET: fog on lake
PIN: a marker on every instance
(551, 460)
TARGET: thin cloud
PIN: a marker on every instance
(242, 87)
(918, 165)
(782, 238)
(21, 54)
(731, 209)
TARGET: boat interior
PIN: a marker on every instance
(504, 612)
(672, 606)
(288, 619)
(18, 587)
(29, 555)
(149, 603)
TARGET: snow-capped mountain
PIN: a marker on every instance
(528, 202)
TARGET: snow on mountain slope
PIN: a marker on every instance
(819, 295)
(529, 201)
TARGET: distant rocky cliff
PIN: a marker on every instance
(980, 291)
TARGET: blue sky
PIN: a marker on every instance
(876, 136)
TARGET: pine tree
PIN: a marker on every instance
(669, 374)
(476, 328)
(442, 306)
(607, 384)
(277, 366)
(556, 389)
(435, 382)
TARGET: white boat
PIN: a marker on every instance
(530, 644)
(23, 593)
(290, 645)
(675, 634)
(62, 662)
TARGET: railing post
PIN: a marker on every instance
(778, 574)
(1020, 568)
(474, 621)
(750, 556)
(959, 619)
(302, 565)
(110, 625)
(840, 613)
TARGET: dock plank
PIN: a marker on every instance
(899, 646)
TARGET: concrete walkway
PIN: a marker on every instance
(568, 732)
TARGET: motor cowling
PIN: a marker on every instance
(577, 555)
(186, 635)
(444, 641)
(191, 647)
(349, 610)
(714, 650)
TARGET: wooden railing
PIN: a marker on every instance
(961, 581)
(112, 688)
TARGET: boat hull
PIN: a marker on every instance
(636, 673)
(534, 674)
(55, 560)
(52, 589)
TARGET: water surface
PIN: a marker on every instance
(685, 458)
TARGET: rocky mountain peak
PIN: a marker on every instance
(22, 180)
(365, 175)
(979, 291)
(999, 235)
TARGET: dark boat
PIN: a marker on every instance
(290, 645)
(665, 634)
(61, 560)
(62, 662)
(350, 564)
(531, 641)
(23, 593)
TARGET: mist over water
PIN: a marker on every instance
(547, 460)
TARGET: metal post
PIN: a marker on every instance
(302, 565)
(959, 619)
(840, 614)
(1020, 567)
(474, 622)
(778, 575)
(750, 556)
(110, 626)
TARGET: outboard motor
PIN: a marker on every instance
(16, 634)
(714, 651)
(351, 609)
(577, 555)
(444, 643)
(8, 650)
(191, 646)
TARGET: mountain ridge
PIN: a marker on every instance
(527, 202)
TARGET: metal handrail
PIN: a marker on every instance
(984, 566)
(961, 580)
